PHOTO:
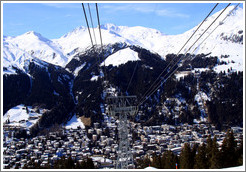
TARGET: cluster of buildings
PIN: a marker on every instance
(101, 143)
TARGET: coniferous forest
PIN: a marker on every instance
(204, 156)
(79, 95)
(62, 163)
(76, 93)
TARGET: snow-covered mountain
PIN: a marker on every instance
(15, 58)
(227, 39)
(62, 75)
(121, 57)
(32, 44)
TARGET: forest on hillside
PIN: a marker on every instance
(203, 156)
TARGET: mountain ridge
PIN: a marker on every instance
(33, 76)
(228, 38)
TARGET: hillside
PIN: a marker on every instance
(63, 75)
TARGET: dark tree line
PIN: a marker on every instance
(203, 156)
(63, 163)
(15, 89)
(225, 90)
(226, 107)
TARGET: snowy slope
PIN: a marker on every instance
(74, 123)
(15, 57)
(38, 46)
(19, 116)
(111, 34)
(238, 168)
(79, 38)
(224, 41)
(200, 97)
(220, 42)
(150, 38)
(121, 57)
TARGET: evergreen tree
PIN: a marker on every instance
(89, 163)
(69, 163)
(143, 163)
(193, 154)
(215, 160)
(201, 161)
(163, 160)
(209, 149)
(78, 165)
(156, 161)
(228, 150)
(239, 153)
(169, 160)
(185, 157)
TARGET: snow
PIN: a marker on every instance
(60, 51)
(150, 168)
(238, 168)
(231, 66)
(13, 56)
(94, 78)
(76, 71)
(74, 123)
(71, 83)
(121, 57)
(38, 46)
(55, 93)
(18, 116)
(200, 97)
(200, 69)
(101, 159)
(181, 75)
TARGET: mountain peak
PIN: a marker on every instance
(75, 31)
(226, 39)
(109, 26)
(34, 35)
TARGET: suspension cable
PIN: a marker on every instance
(94, 47)
(151, 87)
(216, 27)
(104, 68)
(130, 81)
(98, 57)
(92, 24)
(87, 24)
(209, 27)
(198, 28)
(162, 82)
(99, 25)
(132, 76)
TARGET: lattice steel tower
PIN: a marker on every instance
(121, 106)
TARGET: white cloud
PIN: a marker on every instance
(144, 8)
(68, 15)
(114, 8)
(63, 5)
(171, 13)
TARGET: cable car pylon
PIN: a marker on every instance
(121, 107)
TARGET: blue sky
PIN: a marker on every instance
(53, 20)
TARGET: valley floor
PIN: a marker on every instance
(101, 144)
